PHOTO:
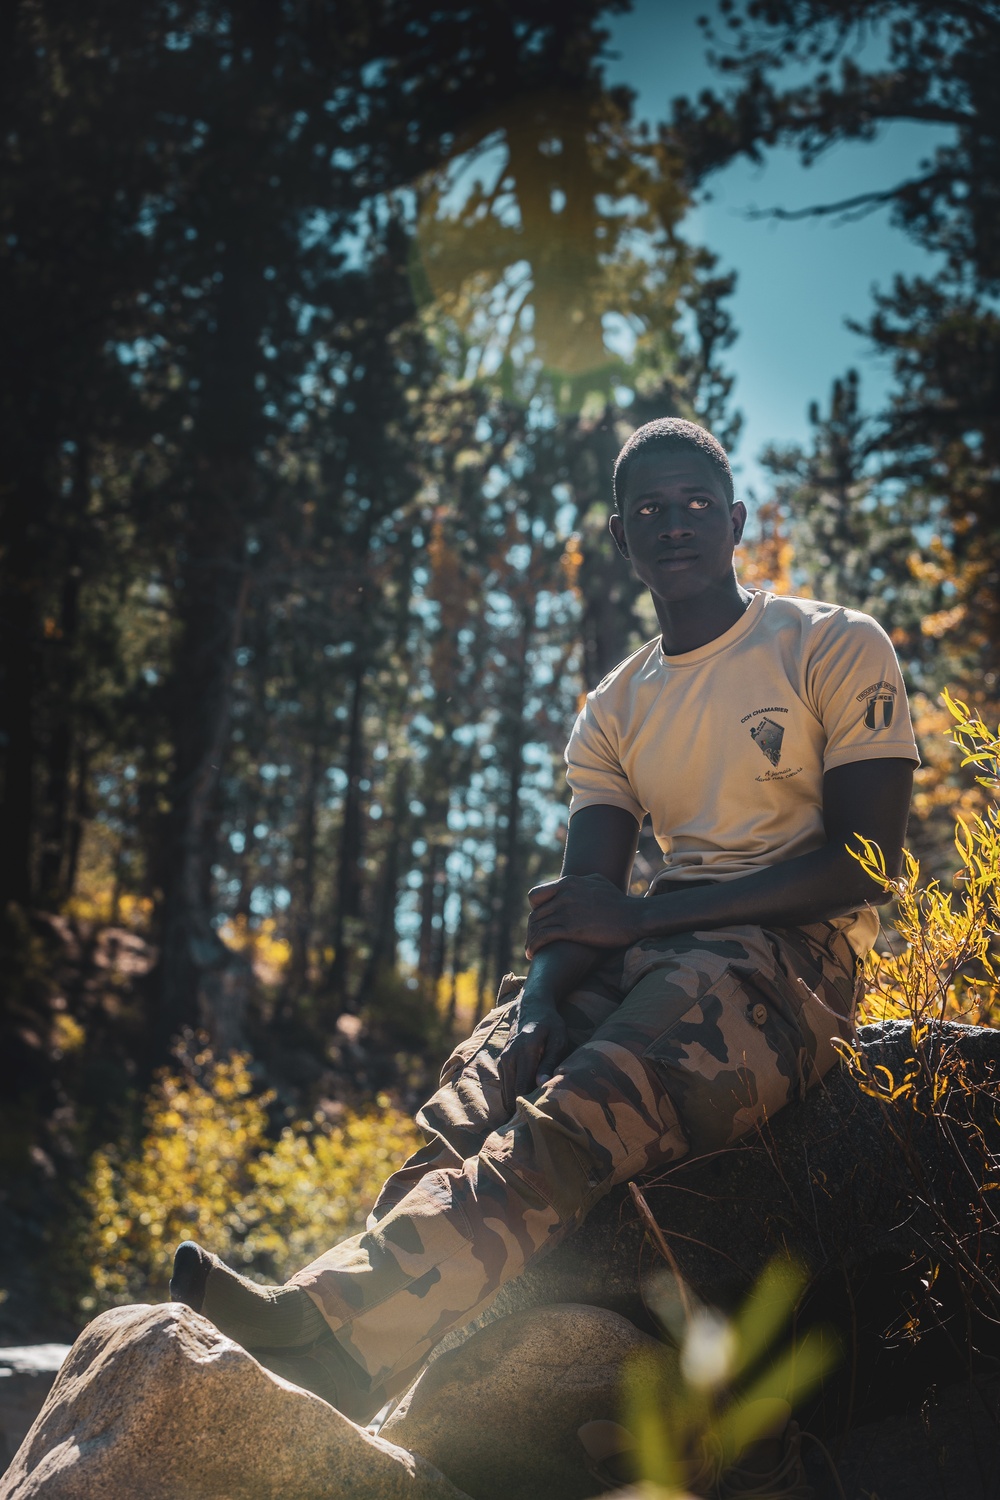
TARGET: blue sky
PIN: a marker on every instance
(798, 282)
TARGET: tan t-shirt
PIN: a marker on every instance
(725, 747)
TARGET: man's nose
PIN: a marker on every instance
(675, 523)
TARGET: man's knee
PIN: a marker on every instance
(602, 1119)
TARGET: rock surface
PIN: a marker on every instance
(154, 1402)
(26, 1376)
(948, 1451)
(500, 1415)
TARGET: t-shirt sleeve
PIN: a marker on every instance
(593, 769)
(856, 688)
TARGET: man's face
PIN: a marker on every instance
(675, 524)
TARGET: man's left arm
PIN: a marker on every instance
(870, 798)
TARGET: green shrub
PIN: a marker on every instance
(207, 1170)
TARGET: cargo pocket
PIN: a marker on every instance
(813, 1010)
(827, 966)
(732, 1059)
(492, 1034)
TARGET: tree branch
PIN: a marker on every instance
(865, 202)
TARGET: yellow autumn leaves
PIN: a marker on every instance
(942, 961)
(208, 1168)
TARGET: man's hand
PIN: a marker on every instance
(531, 1057)
(600, 847)
(583, 909)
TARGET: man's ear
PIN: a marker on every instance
(739, 515)
(617, 530)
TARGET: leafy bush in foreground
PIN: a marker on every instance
(206, 1169)
(945, 963)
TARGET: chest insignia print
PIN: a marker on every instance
(767, 736)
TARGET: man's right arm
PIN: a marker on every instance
(600, 841)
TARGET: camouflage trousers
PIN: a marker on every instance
(680, 1045)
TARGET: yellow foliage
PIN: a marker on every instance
(767, 559)
(67, 1035)
(934, 566)
(969, 580)
(465, 986)
(944, 965)
(312, 1190)
(207, 1170)
(943, 622)
(947, 964)
(572, 560)
(94, 902)
(269, 955)
(934, 787)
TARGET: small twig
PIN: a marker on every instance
(834, 1471)
(646, 1214)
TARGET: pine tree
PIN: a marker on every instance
(940, 428)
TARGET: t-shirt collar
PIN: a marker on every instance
(745, 623)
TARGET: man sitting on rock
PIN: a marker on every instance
(762, 735)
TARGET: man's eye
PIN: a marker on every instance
(647, 510)
(697, 504)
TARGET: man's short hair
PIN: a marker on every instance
(667, 433)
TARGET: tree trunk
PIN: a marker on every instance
(348, 897)
(382, 941)
(303, 906)
(201, 982)
(511, 897)
(254, 724)
(52, 879)
(425, 953)
(19, 634)
(80, 812)
(457, 948)
(485, 986)
(608, 594)
(439, 936)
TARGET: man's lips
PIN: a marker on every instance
(678, 560)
